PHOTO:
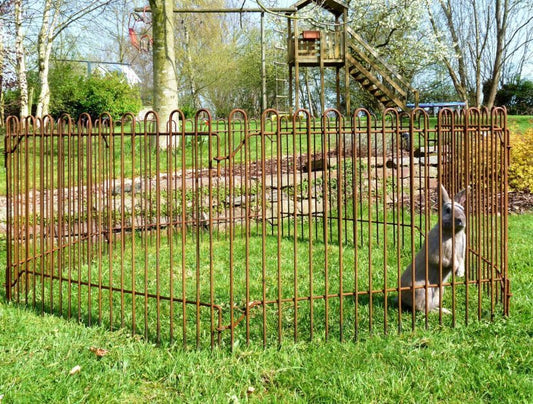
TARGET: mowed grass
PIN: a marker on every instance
(217, 274)
(480, 362)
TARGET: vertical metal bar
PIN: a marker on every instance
(493, 211)
(183, 226)
(12, 128)
(171, 172)
(399, 227)
(310, 151)
(505, 213)
(16, 211)
(295, 235)
(340, 220)
(263, 219)
(70, 212)
(384, 190)
(122, 224)
(60, 210)
(50, 213)
(89, 212)
(483, 137)
(439, 210)
(279, 219)
(467, 160)
(479, 204)
(99, 176)
(376, 132)
(80, 178)
(357, 174)
(441, 152)
(412, 220)
(33, 169)
(197, 222)
(454, 180)
(210, 206)
(146, 201)
(247, 201)
(133, 224)
(158, 228)
(369, 132)
(109, 210)
(231, 227)
(26, 205)
(325, 143)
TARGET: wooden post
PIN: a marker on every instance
(289, 30)
(263, 64)
(345, 64)
(296, 68)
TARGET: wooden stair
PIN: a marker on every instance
(376, 76)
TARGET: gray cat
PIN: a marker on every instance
(453, 259)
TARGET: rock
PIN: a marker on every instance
(398, 162)
(316, 165)
(240, 200)
(317, 206)
(118, 186)
(423, 151)
(430, 160)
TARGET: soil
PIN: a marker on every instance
(520, 202)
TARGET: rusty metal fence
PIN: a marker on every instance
(237, 230)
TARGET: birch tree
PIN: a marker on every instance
(20, 57)
(57, 15)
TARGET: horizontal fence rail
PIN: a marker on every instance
(224, 231)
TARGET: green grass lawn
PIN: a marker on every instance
(520, 123)
(476, 363)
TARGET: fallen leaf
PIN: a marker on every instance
(75, 369)
(98, 351)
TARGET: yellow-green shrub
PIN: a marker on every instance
(521, 167)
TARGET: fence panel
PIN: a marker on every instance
(231, 231)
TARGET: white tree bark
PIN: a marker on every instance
(165, 74)
(44, 46)
(20, 56)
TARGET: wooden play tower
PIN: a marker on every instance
(339, 47)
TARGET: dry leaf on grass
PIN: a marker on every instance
(75, 369)
(98, 351)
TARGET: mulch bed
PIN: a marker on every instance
(520, 202)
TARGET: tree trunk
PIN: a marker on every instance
(461, 82)
(44, 50)
(21, 60)
(165, 74)
(309, 97)
(502, 10)
(191, 71)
